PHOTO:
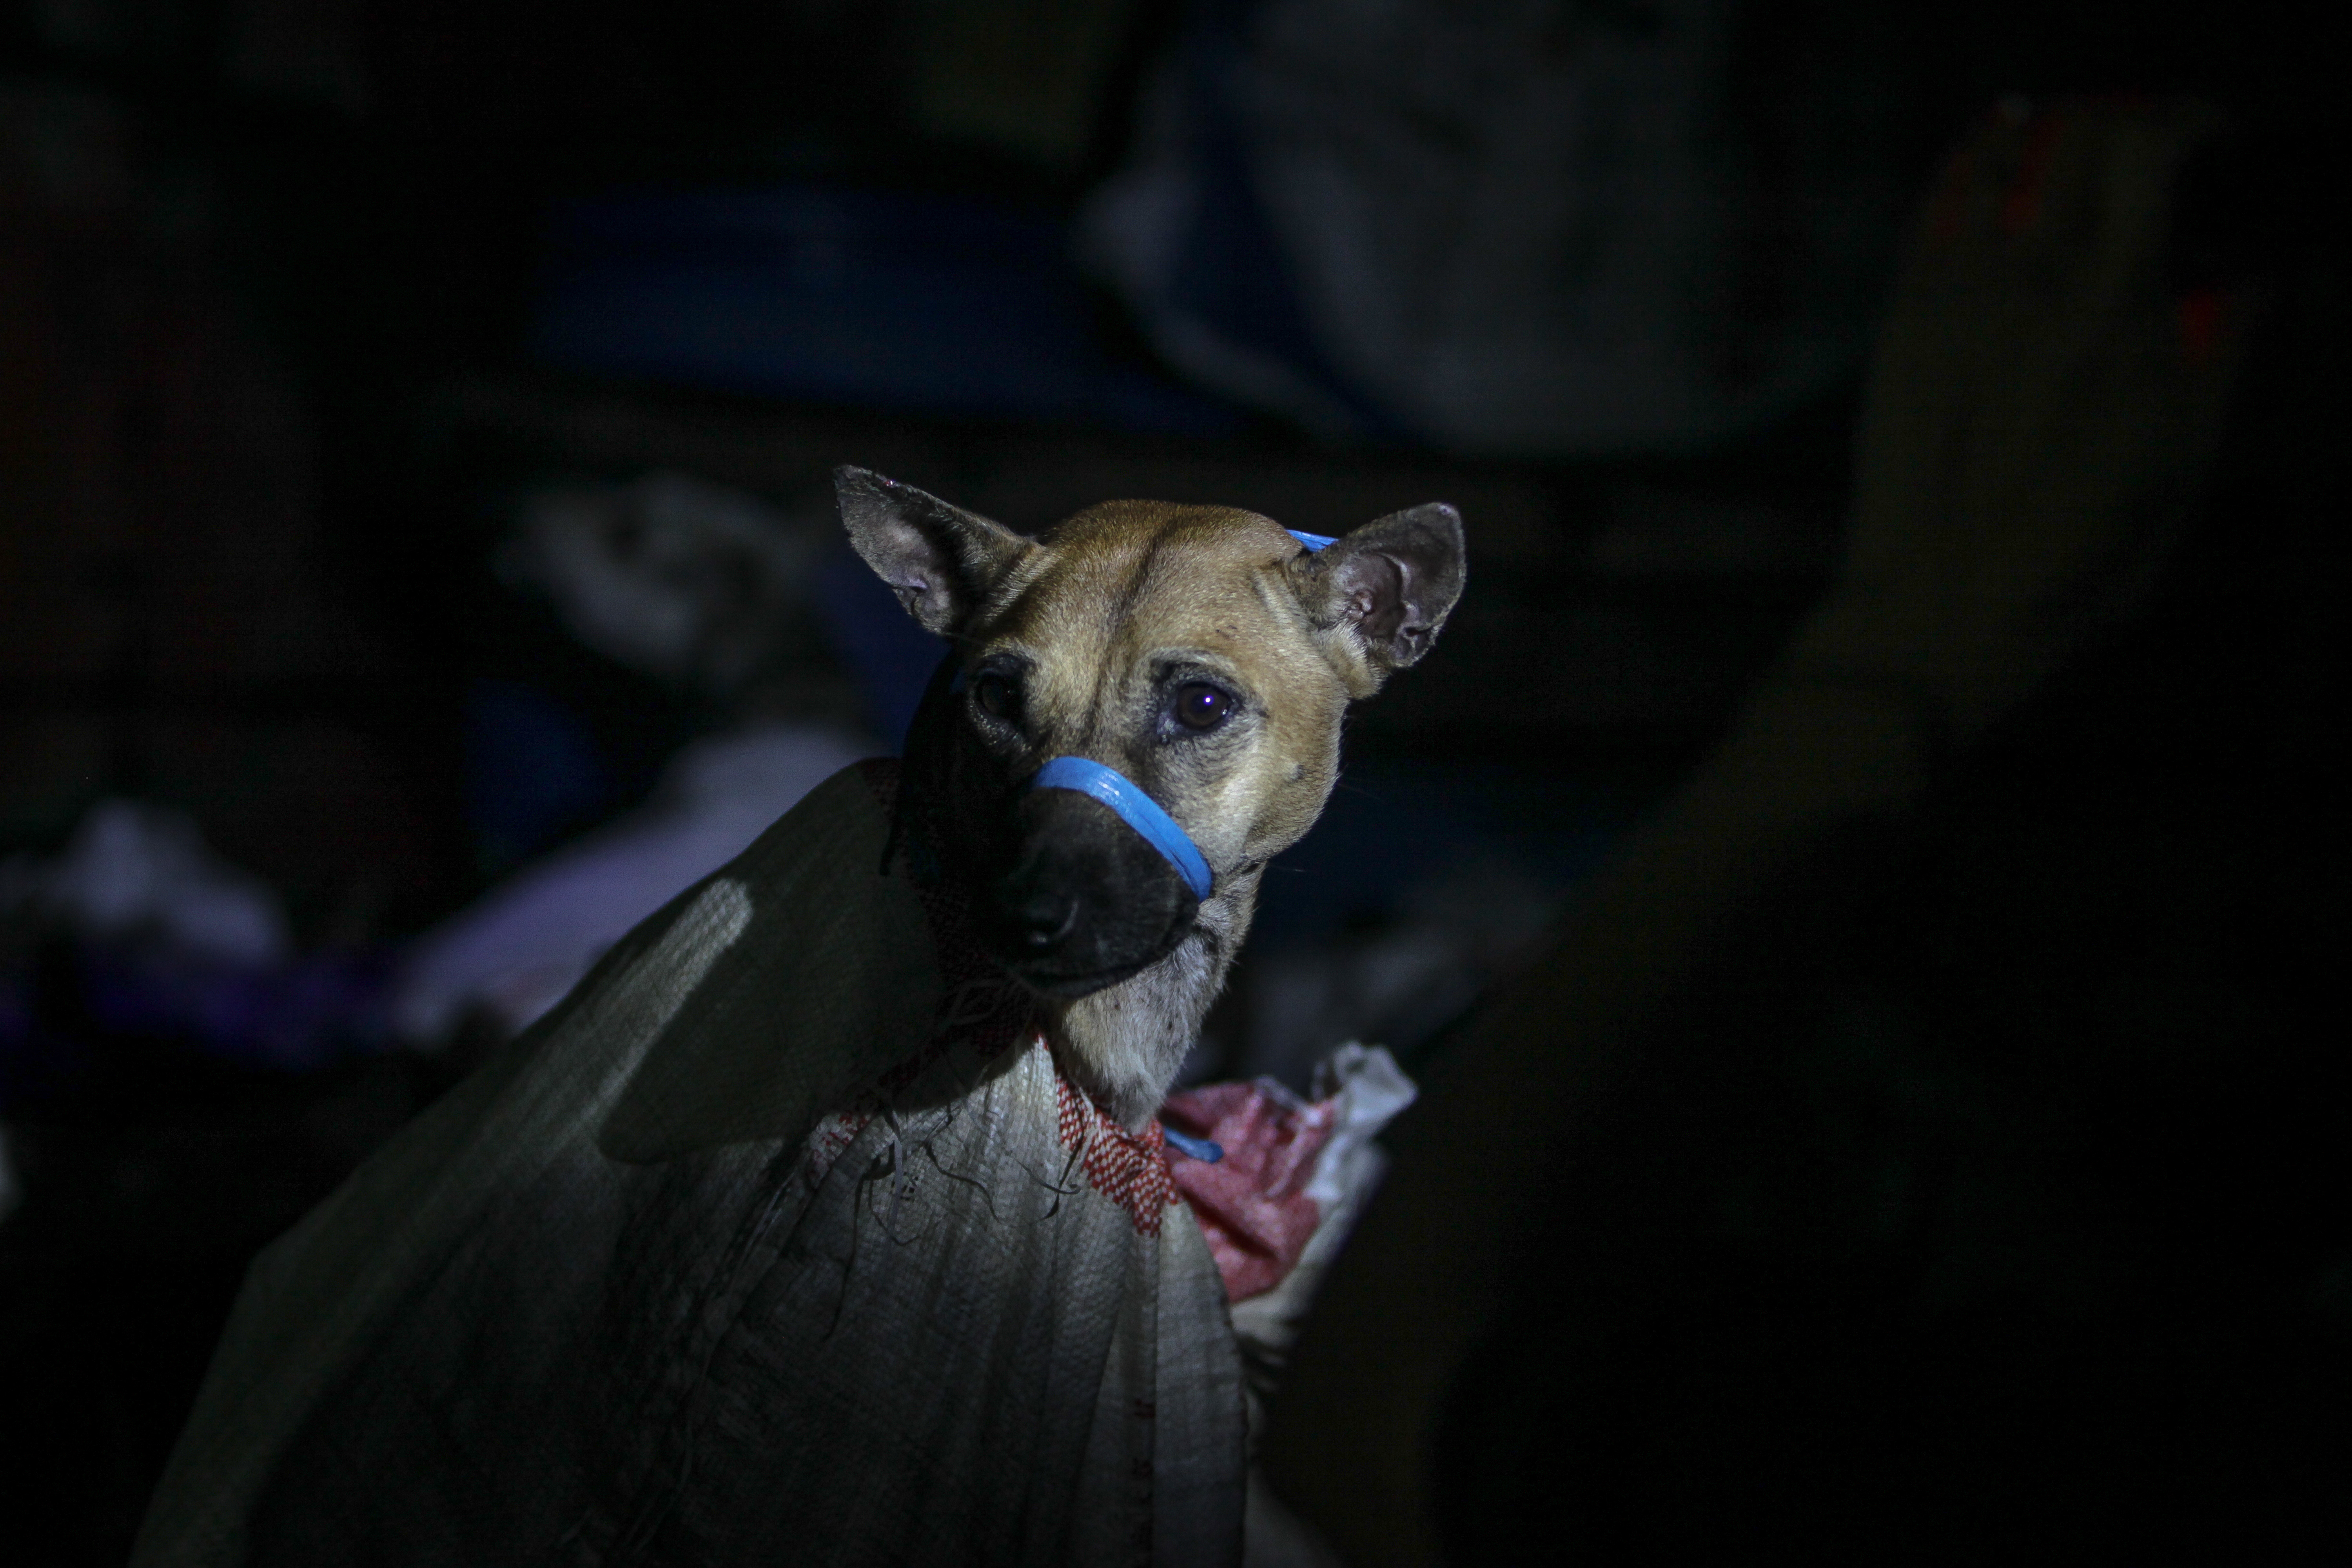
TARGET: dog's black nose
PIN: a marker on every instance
(1038, 919)
(1085, 902)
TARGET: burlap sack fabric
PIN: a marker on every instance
(784, 1240)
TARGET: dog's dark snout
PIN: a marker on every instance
(1085, 902)
(1039, 918)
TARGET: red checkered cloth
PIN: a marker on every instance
(1252, 1204)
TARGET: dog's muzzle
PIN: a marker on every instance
(1135, 809)
(1103, 884)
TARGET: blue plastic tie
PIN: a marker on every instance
(1137, 809)
(1312, 540)
(1200, 1149)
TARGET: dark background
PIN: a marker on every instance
(2012, 1225)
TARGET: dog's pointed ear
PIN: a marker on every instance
(941, 560)
(1392, 582)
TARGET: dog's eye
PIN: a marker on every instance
(998, 696)
(1200, 706)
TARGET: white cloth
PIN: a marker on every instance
(783, 1240)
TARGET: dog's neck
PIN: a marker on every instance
(1124, 1044)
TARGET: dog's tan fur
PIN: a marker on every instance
(1100, 608)
(1106, 598)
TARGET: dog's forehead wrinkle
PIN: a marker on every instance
(1128, 578)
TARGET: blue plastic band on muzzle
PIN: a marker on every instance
(1135, 809)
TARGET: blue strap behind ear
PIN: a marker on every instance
(1312, 540)
(1137, 809)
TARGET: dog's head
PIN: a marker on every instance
(1205, 654)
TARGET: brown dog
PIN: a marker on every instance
(1204, 654)
(826, 1220)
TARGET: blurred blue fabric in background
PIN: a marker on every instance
(865, 298)
(533, 772)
